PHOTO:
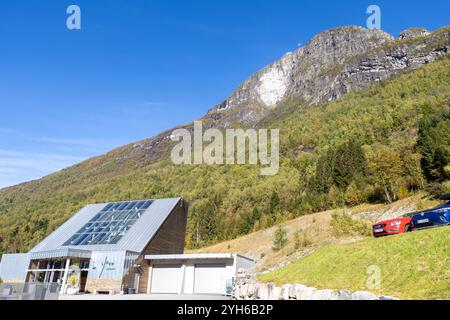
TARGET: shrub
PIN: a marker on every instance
(73, 280)
(301, 240)
(446, 186)
(343, 224)
(280, 240)
(402, 192)
(436, 190)
(352, 195)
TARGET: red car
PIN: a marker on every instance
(393, 226)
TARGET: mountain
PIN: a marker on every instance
(333, 63)
(314, 95)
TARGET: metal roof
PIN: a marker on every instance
(134, 240)
(195, 256)
(61, 253)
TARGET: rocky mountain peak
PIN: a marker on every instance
(330, 65)
(413, 33)
(270, 85)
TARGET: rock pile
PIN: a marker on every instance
(248, 289)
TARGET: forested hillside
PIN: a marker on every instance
(376, 145)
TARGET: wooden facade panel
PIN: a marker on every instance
(143, 280)
(169, 239)
(171, 236)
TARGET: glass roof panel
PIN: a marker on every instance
(110, 225)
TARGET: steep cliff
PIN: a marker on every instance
(332, 64)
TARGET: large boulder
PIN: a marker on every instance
(323, 295)
(264, 291)
(275, 293)
(292, 293)
(71, 291)
(286, 291)
(388, 298)
(364, 295)
(237, 293)
(244, 291)
(304, 292)
(343, 295)
(250, 291)
(257, 291)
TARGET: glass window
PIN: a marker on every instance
(110, 224)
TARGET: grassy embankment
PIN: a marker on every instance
(413, 266)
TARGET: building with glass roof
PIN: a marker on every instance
(104, 245)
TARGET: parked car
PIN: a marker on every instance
(393, 226)
(436, 217)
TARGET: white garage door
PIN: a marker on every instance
(209, 278)
(166, 279)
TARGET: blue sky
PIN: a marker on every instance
(138, 67)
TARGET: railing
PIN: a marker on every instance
(29, 291)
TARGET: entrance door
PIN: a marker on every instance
(83, 279)
(56, 277)
(209, 278)
(166, 279)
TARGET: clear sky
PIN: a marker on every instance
(138, 67)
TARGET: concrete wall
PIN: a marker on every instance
(244, 263)
(13, 267)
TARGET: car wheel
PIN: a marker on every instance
(408, 228)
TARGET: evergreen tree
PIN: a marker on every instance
(350, 163)
(274, 206)
(324, 179)
(280, 240)
(434, 145)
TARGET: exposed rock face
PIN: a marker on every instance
(413, 33)
(332, 64)
(296, 72)
(303, 73)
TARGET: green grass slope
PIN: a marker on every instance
(413, 266)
